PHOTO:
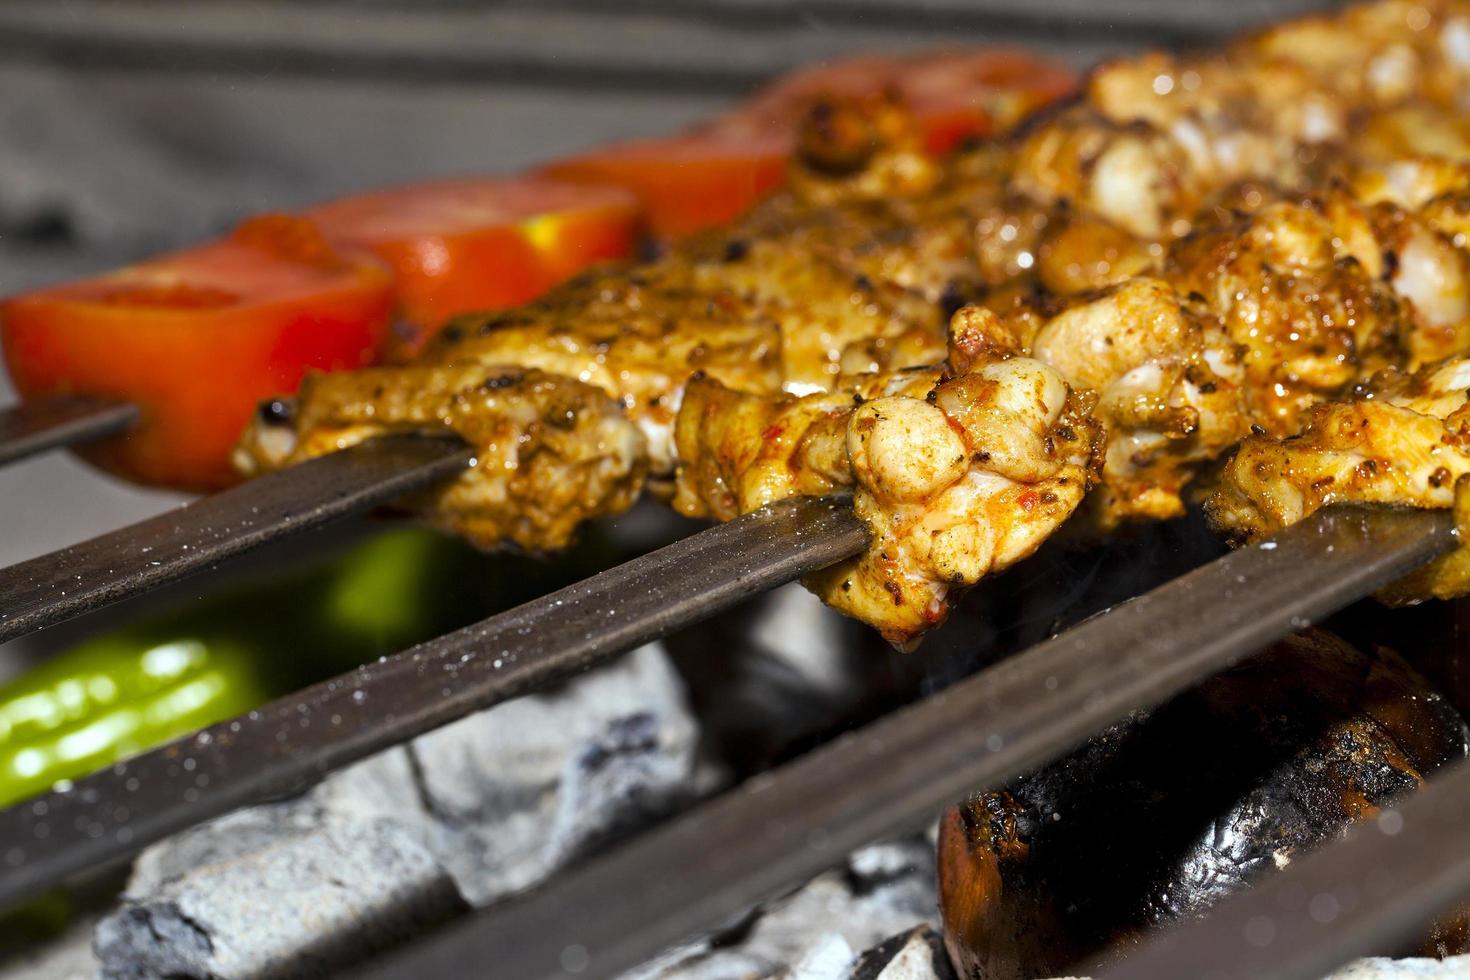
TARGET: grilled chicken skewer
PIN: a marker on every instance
(801, 325)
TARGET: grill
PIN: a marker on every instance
(696, 870)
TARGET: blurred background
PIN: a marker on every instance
(129, 127)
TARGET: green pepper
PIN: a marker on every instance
(112, 697)
(129, 689)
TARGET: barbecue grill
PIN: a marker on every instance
(695, 870)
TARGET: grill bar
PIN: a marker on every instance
(291, 742)
(896, 774)
(34, 427)
(106, 569)
(1361, 895)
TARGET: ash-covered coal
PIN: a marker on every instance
(819, 930)
(483, 807)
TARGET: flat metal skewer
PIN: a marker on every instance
(106, 569)
(34, 427)
(1361, 895)
(291, 742)
(895, 775)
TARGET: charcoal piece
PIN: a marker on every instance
(914, 955)
(536, 782)
(488, 805)
(1159, 817)
(880, 891)
(285, 890)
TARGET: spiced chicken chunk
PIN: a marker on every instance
(1404, 440)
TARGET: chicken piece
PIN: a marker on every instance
(1157, 132)
(1308, 321)
(958, 472)
(1078, 254)
(1170, 386)
(1403, 440)
(1413, 129)
(1247, 324)
(1432, 273)
(634, 336)
(1134, 177)
(1378, 55)
(870, 147)
(550, 451)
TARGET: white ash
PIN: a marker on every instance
(1418, 968)
(879, 892)
(829, 958)
(537, 781)
(485, 806)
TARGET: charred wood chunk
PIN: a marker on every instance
(1163, 815)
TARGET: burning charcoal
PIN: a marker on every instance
(1158, 818)
(485, 806)
(863, 911)
(888, 862)
(349, 859)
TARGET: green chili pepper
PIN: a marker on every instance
(129, 689)
(113, 697)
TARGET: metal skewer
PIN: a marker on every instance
(291, 742)
(204, 532)
(896, 774)
(34, 427)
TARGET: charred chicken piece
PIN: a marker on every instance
(1162, 816)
